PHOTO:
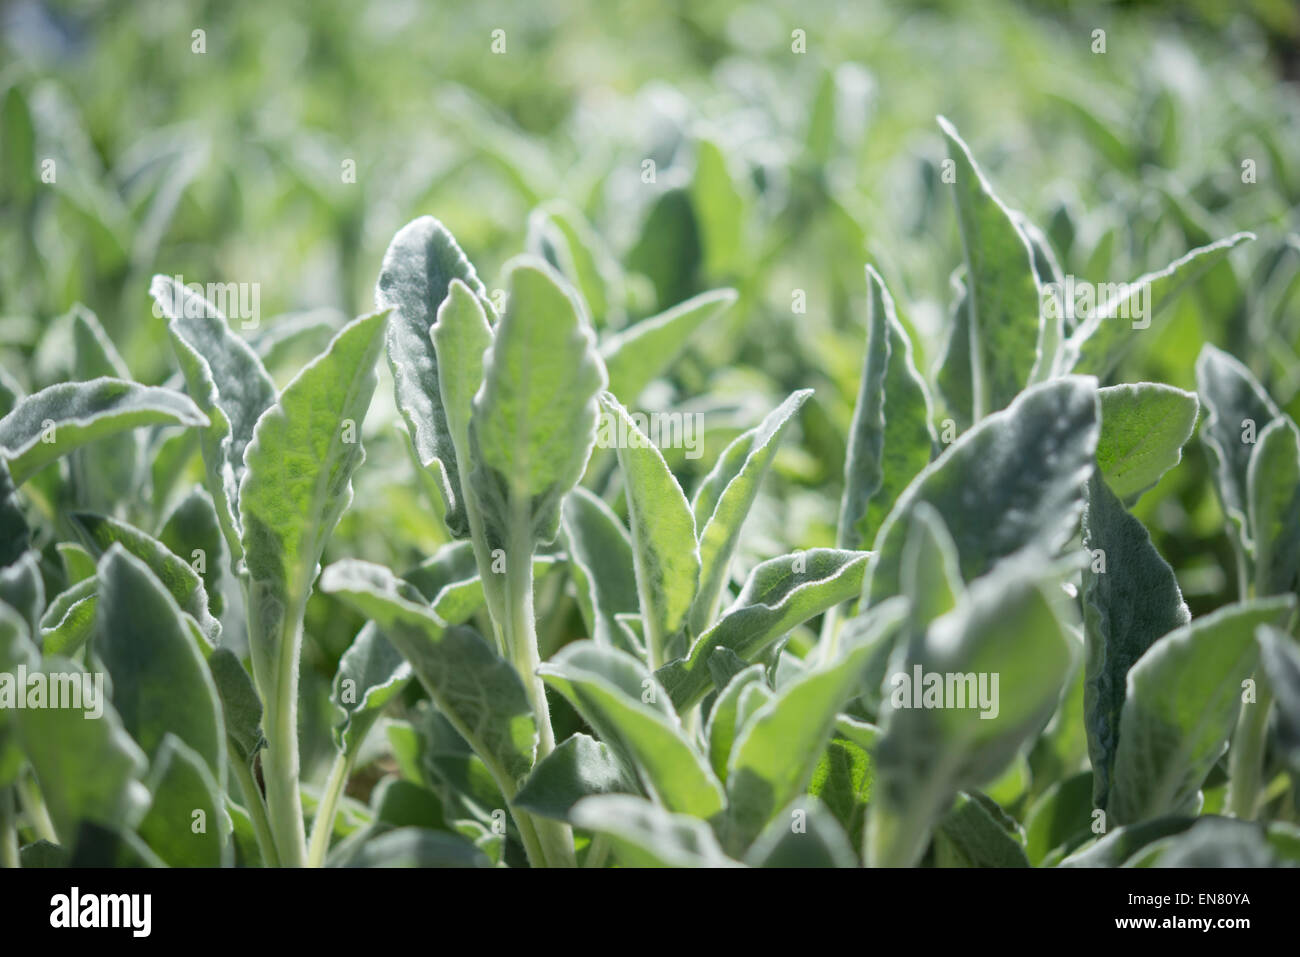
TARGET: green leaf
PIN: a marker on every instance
(415, 278)
(843, 780)
(297, 484)
(1238, 411)
(1013, 480)
(16, 650)
(534, 420)
(193, 531)
(725, 719)
(666, 556)
(646, 835)
(185, 821)
(450, 582)
(971, 834)
(1181, 707)
(721, 207)
(1004, 324)
(161, 683)
(1005, 626)
(1279, 657)
(23, 588)
(779, 594)
(181, 581)
(558, 233)
(1062, 815)
(241, 708)
(1273, 508)
(70, 618)
(88, 770)
(602, 563)
(461, 336)
(891, 438)
(1122, 843)
(106, 471)
(229, 383)
(804, 834)
(724, 499)
(577, 768)
(639, 354)
(51, 423)
(1103, 338)
(618, 698)
(953, 376)
(14, 533)
(1130, 600)
(78, 563)
(774, 756)
(371, 672)
(418, 847)
(478, 692)
(1144, 427)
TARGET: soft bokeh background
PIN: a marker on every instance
(775, 171)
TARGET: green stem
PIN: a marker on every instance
(8, 830)
(277, 681)
(598, 853)
(256, 807)
(323, 826)
(33, 805)
(554, 837)
(1246, 759)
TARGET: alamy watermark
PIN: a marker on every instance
(933, 689)
(1076, 299)
(241, 301)
(38, 690)
(664, 430)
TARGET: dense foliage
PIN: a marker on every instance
(687, 431)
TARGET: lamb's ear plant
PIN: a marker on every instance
(591, 649)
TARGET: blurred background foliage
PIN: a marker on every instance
(776, 171)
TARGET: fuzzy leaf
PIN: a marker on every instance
(1105, 337)
(53, 422)
(637, 355)
(891, 437)
(724, 499)
(1238, 410)
(1130, 600)
(1144, 427)
(1014, 479)
(228, 382)
(534, 420)
(577, 768)
(1004, 323)
(1273, 508)
(600, 555)
(666, 556)
(478, 692)
(779, 594)
(161, 684)
(646, 835)
(415, 278)
(619, 699)
(1181, 707)
(299, 482)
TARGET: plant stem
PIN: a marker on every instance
(29, 795)
(323, 826)
(256, 808)
(554, 838)
(278, 684)
(598, 853)
(8, 830)
(1246, 759)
